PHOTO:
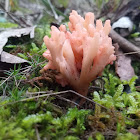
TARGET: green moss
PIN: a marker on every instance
(20, 121)
(127, 136)
(8, 25)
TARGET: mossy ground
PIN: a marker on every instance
(29, 110)
(33, 106)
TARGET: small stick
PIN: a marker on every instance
(128, 53)
(67, 100)
(24, 25)
(37, 133)
(51, 6)
(56, 93)
(6, 79)
(124, 44)
(7, 7)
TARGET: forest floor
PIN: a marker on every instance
(34, 106)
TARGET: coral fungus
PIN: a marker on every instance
(80, 54)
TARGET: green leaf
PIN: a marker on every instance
(10, 46)
(132, 101)
(118, 92)
(132, 83)
(110, 84)
(34, 49)
(23, 56)
(120, 105)
(8, 25)
(96, 96)
(135, 35)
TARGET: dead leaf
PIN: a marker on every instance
(123, 66)
(8, 61)
(9, 58)
(133, 131)
(15, 33)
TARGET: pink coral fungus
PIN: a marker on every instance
(81, 54)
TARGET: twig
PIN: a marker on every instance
(67, 91)
(124, 44)
(41, 92)
(14, 19)
(24, 72)
(15, 81)
(56, 93)
(67, 100)
(128, 53)
(121, 2)
(51, 6)
(7, 7)
(6, 79)
(37, 133)
(4, 91)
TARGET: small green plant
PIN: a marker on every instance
(116, 97)
(12, 86)
(135, 35)
(16, 93)
(110, 101)
(23, 55)
(110, 84)
(99, 136)
(127, 136)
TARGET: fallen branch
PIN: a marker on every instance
(47, 94)
(124, 44)
(37, 133)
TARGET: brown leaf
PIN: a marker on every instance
(123, 67)
(133, 131)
